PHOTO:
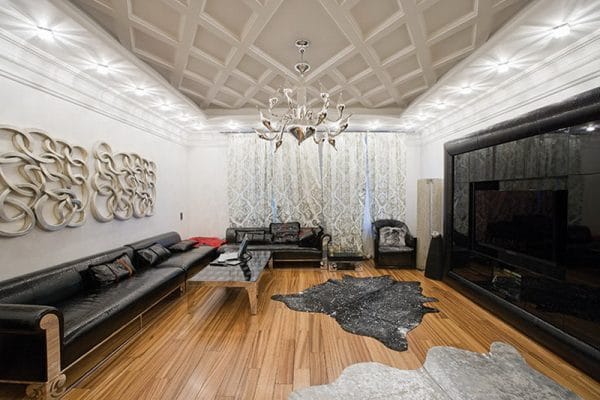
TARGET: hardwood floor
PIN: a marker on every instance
(210, 347)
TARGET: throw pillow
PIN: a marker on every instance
(182, 246)
(255, 237)
(112, 272)
(392, 236)
(152, 255)
(285, 233)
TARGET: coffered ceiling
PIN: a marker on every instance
(233, 54)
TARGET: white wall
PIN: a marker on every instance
(573, 71)
(26, 107)
(208, 213)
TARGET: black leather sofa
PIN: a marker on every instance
(51, 319)
(189, 262)
(307, 245)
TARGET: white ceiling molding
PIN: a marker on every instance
(540, 68)
(21, 63)
(234, 54)
(203, 68)
(67, 64)
(572, 71)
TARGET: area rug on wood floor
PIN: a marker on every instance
(447, 374)
(380, 307)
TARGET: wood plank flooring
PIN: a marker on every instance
(210, 347)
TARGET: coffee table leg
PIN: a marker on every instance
(253, 298)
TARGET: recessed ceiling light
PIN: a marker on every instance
(198, 126)
(590, 128)
(466, 89)
(102, 68)
(561, 30)
(45, 33)
(232, 125)
(373, 125)
(502, 66)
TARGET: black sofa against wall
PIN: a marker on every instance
(289, 242)
(54, 326)
(548, 285)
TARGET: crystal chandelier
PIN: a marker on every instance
(299, 120)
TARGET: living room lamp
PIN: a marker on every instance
(299, 119)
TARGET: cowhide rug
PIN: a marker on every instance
(447, 374)
(380, 307)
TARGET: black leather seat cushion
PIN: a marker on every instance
(275, 247)
(281, 251)
(55, 284)
(92, 316)
(188, 259)
(395, 249)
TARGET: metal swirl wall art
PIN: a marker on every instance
(123, 185)
(43, 182)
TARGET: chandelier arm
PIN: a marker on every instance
(301, 119)
(339, 118)
(341, 128)
(265, 135)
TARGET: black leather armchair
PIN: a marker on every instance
(394, 255)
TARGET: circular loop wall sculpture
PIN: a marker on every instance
(123, 185)
(43, 181)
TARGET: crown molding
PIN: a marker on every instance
(97, 31)
(27, 65)
(571, 71)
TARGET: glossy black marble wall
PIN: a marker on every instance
(564, 160)
(546, 159)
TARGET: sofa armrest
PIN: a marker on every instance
(411, 241)
(24, 318)
(32, 338)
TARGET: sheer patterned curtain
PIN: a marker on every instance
(387, 175)
(249, 188)
(344, 188)
(297, 191)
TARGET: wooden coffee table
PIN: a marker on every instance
(233, 276)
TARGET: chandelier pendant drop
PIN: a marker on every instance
(299, 120)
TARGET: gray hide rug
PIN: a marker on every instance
(380, 307)
(447, 374)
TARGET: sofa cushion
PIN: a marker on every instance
(236, 235)
(185, 261)
(111, 272)
(395, 249)
(182, 246)
(165, 239)
(52, 285)
(152, 255)
(285, 232)
(257, 236)
(274, 247)
(392, 237)
(92, 316)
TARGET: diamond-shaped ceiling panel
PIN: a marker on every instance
(368, 15)
(291, 22)
(234, 53)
